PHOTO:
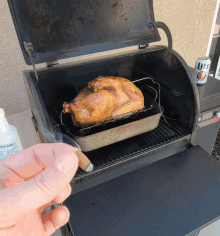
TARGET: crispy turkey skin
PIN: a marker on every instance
(105, 97)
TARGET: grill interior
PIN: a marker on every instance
(164, 133)
(167, 131)
(177, 98)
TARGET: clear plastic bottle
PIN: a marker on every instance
(9, 140)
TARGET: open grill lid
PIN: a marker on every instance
(58, 29)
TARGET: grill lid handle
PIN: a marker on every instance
(164, 27)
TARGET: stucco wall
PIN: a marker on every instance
(189, 21)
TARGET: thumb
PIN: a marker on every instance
(38, 191)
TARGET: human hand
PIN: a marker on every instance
(31, 181)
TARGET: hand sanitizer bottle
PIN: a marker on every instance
(9, 140)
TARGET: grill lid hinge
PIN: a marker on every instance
(143, 46)
(151, 26)
(28, 48)
(52, 63)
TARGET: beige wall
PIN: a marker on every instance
(190, 23)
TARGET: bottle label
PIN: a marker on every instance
(8, 150)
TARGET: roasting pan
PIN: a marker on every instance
(98, 136)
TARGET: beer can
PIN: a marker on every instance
(202, 70)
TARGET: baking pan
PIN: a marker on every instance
(108, 133)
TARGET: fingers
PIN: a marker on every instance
(55, 219)
(64, 194)
(42, 189)
(28, 163)
(8, 177)
(44, 207)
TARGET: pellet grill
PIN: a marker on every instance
(156, 181)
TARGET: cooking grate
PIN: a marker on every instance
(126, 148)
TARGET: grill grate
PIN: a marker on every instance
(126, 148)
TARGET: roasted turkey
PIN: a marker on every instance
(105, 97)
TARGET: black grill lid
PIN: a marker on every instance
(59, 29)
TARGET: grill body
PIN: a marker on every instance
(178, 97)
(168, 147)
